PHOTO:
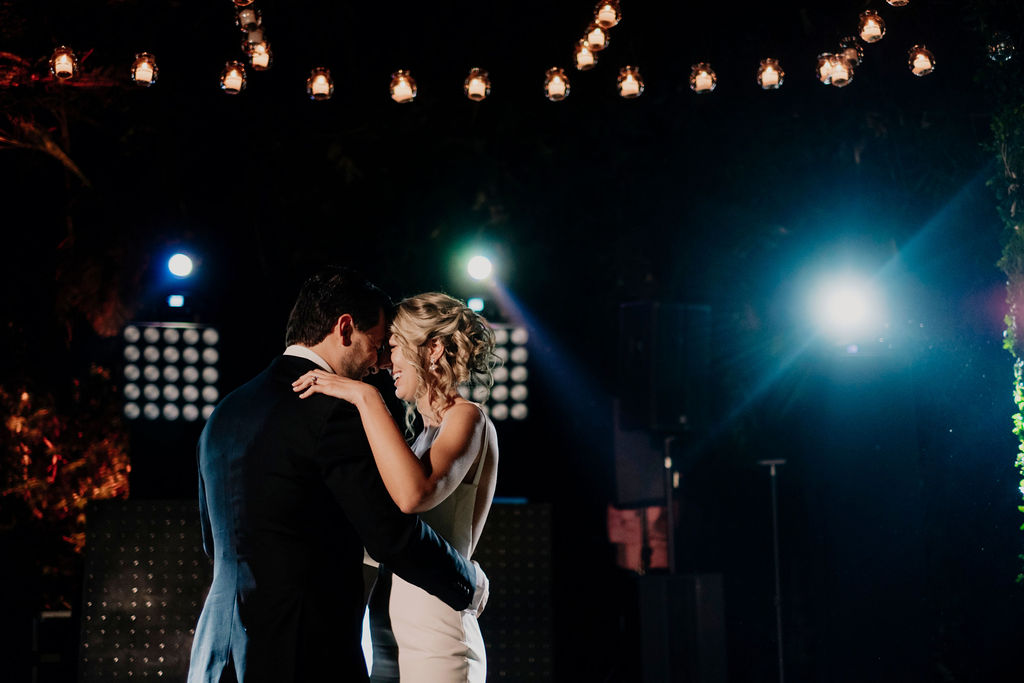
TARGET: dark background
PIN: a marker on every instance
(898, 521)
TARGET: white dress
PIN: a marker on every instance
(431, 642)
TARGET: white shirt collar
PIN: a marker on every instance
(308, 354)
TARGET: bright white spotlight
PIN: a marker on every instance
(475, 304)
(479, 267)
(846, 307)
(180, 265)
(175, 301)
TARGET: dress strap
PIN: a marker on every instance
(483, 450)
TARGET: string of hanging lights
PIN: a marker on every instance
(833, 68)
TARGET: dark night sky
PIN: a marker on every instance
(734, 199)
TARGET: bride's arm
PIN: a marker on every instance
(415, 485)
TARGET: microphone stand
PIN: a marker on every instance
(775, 550)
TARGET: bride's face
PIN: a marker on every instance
(402, 372)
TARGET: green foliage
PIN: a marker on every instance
(1008, 145)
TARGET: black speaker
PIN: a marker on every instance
(682, 628)
(664, 356)
(639, 464)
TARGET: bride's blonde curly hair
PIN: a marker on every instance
(466, 340)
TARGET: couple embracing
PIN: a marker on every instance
(303, 467)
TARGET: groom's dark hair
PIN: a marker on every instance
(325, 296)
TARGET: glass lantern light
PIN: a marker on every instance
(584, 57)
(871, 27)
(851, 49)
(631, 85)
(320, 85)
(403, 87)
(556, 84)
(260, 56)
(823, 71)
(702, 78)
(477, 86)
(144, 71)
(841, 71)
(770, 74)
(232, 78)
(248, 19)
(63, 63)
(607, 13)
(921, 60)
(596, 37)
(1001, 48)
(252, 38)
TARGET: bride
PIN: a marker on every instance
(447, 477)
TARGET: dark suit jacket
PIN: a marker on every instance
(289, 495)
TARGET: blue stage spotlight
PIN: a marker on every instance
(180, 265)
(475, 304)
(480, 267)
(176, 300)
(847, 308)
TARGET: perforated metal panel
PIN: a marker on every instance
(145, 581)
(515, 551)
(146, 578)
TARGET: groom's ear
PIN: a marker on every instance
(344, 329)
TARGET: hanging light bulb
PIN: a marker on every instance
(232, 78)
(585, 58)
(248, 18)
(1001, 48)
(630, 83)
(702, 78)
(921, 60)
(144, 71)
(607, 13)
(898, 3)
(320, 85)
(596, 37)
(841, 71)
(871, 27)
(403, 87)
(770, 74)
(63, 63)
(260, 56)
(556, 84)
(477, 85)
(851, 49)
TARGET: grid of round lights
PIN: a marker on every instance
(170, 371)
(507, 397)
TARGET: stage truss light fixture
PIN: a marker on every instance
(170, 371)
(507, 398)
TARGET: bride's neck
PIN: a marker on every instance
(433, 413)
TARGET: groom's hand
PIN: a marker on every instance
(482, 592)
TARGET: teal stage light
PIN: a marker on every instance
(475, 304)
(176, 301)
(479, 267)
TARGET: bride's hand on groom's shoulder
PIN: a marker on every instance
(323, 382)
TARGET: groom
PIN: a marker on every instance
(289, 495)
